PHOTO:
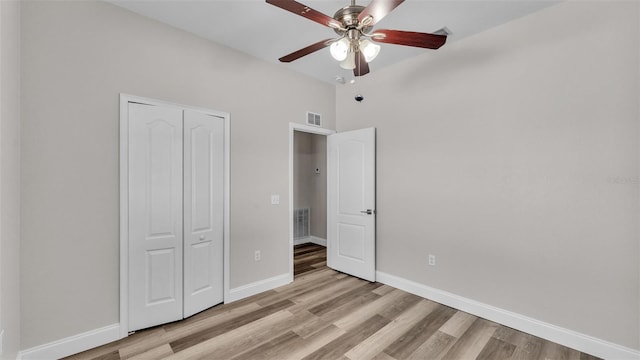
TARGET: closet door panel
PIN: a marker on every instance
(155, 215)
(203, 211)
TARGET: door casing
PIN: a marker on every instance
(293, 127)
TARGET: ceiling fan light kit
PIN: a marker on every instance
(350, 62)
(369, 50)
(340, 49)
(355, 47)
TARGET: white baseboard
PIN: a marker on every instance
(301, 241)
(94, 338)
(584, 343)
(72, 344)
(566, 337)
(318, 241)
(257, 287)
(311, 239)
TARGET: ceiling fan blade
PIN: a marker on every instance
(362, 66)
(307, 12)
(409, 38)
(306, 51)
(378, 9)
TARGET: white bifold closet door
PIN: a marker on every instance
(175, 213)
(203, 211)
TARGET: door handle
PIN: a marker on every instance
(368, 211)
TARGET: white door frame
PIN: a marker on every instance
(125, 99)
(293, 127)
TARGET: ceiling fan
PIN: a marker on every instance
(355, 46)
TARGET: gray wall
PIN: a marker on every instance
(10, 176)
(512, 156)
(319, 190)
(77, 58)
(310, 189)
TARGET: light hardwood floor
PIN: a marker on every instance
(325, 314)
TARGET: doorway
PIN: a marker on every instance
(309, 191)
(351, 213)
(307, 187)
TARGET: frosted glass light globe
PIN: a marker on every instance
(340, 49)
(369, 50)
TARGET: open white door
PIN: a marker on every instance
(155, 210)
(351, 219)
(203, 211)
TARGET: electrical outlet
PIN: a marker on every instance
(275, 199)
(432, 260)
(257, 255)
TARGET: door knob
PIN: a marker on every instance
(201, 237)
(368, 211)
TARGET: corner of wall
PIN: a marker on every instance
(638, 119)
(10, 93)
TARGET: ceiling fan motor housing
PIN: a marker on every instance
(348, 16)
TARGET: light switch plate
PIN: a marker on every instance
(1, 341)
(275, 199)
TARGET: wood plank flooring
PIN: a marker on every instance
(325, 314)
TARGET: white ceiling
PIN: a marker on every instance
(267, 32)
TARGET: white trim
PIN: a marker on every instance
(310, 239)
(318, 241)
(124, 215)
(227, 207)
(72, 344)
(301, 241)
(124, 191)
(257, 287)
(575, 340)
(308, 129)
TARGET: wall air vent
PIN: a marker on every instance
(301, 223)
(313, 119)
